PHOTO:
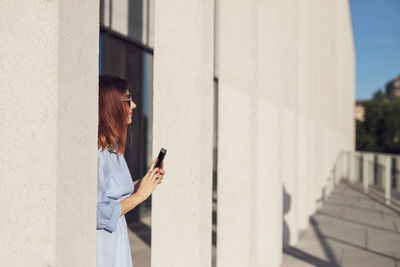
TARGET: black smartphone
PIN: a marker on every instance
(161, 157)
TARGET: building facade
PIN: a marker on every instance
(359, 110)
(393, 88)
(234, 90)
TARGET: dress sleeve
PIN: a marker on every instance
(108, 210)
(108, 213)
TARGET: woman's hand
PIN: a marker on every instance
(149, 182)
(144, 187)
(161, 172)
(159, 180)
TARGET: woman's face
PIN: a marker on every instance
(131, 104)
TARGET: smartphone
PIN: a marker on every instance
(161, 156)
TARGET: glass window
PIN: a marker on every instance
(132, 19)
(126, 41)
(122, 58)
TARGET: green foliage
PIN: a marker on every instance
(379, 95)
(380, 131)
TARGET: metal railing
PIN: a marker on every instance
(375, 173)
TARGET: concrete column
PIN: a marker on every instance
(314, 108)
(303, 65)
(311, 203)
(318, 91)
(311, 106)
(348, 72)
(288, 141)
(344, 77)
(183, 124)
(237, 151)
(48, 118)
(330, 81)
(268, 184)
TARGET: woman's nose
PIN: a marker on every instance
(133, 105)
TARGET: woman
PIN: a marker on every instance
(116, 193)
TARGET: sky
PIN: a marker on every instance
(376, 28)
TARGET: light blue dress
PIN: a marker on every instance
(114, 184)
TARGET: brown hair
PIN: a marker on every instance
(113, 113)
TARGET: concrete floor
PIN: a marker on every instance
(349, 230)
(139, 234)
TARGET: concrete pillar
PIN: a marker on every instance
(330, 81)
(345, 74)
(237, 128)
(318, 91)
(311, 202)
(288, 141)
(303, 73)
(183, 124)
(348, 72)
(311, 106)
(48, 118)
(268, 184)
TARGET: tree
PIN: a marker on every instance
(380, 131)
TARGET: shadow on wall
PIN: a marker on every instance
(323, 196)
(287, 203)
(286, 207)
(303, 255)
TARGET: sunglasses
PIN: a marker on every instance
(128, 99)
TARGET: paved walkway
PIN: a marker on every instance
(139, 234)
(349, 230)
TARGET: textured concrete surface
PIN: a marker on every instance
(349, 230)
(183, 124)
(48, 131)
(286, 87)
(237, 133)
